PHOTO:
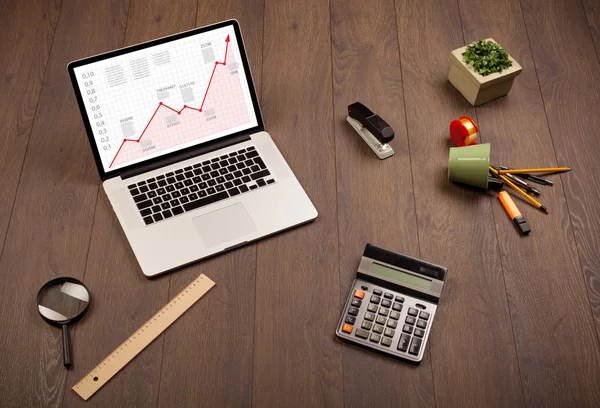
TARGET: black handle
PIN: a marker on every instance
(374, 123)
(66, 346)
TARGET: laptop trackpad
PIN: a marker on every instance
(224, 225)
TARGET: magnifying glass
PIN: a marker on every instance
(60, 302)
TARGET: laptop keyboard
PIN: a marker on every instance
(192, 187)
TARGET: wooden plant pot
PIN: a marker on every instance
(476, 88)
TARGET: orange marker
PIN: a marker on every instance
(514, 213)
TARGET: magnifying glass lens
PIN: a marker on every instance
(60, 302)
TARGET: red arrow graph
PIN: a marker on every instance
(160, 104)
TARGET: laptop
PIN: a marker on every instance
(179, 141)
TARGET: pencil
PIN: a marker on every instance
(540, 170)
(517, 189)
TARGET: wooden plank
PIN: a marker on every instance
(516, 125)
(296, 360)
(124, 297)
(52, 218)
(21, 85)
(375, 198)
(568, 75)
(592, 11)
(207, 358)
(472, 342)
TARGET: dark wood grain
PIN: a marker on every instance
(51, 223)
(124, 298)
(573, 112)
(207, 358)
(375, 198)
(24, 54)
(297, 360)
(536, 317)
(456, 229)
(592, 11)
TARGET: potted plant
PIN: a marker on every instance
(482, 71)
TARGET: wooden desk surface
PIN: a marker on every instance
(519, 321)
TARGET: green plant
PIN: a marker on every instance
(486, 57)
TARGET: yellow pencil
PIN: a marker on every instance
(517, 189)
(541, 170)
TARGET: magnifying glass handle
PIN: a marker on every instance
(66, 346)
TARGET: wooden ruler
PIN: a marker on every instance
(143, 336)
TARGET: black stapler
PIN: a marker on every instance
(374, 130)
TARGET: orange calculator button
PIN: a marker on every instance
(347, 328)
(359, 294)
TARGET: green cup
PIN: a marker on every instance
(469, 165)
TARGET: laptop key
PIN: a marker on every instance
(205, 201)
(165, 206)
(223, 171)
(260, 174)
(240, 165)
(174, 203)
(261, 183)
(249, 163)
(237, 182)
(210, 190)
(251, 148)
(178, 185)
(148, 220)
(243, 188)
(228, 185)
(211, 182)
(194, 188)
(220, 179)
(145, 212)
(167, 214)
(232, 160)
(158, 217)
(205, 176)
(185, 191)
(170, 188)
(197, 172)
(270, 181)
(197, 179)
(162, 183)
(193, 196)
(252, 154)
(180, 177)
(189, 174)
(131, 186)
(152, 194)
(153, 186)
(170, 174)
(255, 168)
(144, 204)
(237, 174)
(177, 210)
(246, 179)
(140, 198)
(157, 200)
(215, 166)
(161, 191)
(187, 182)
(220, 187)
(202, 194)
(229, 177)
(202, 185)
(178, 171)
(176, 194)
(224, 163)
(214, 174)
(144, 189)
(156, 208)
(253, 187)
(246, 171)
(233, 192)
(166, 197)
(134, 191)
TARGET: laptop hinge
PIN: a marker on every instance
(203, 149)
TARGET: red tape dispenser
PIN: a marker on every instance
(464, 131)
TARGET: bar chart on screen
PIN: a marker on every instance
(165, 98)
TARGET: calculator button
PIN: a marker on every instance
(424, 315)
(392, 323)
(380, 320)
(359, 294)
(410, 320)
(421, 324)
(356, 302)
(412, 311)
(375, 299)
(347, 328)
(397, 307)
(419, 332)
(389, 333)
(366, 325)
(350, 319)
(415, 346)
(386, 342)
(383, 311)
(399, 299)
(378, 292)
(375, 337)
(353, 311)
(363, 334)
(407, 329)
(372, 308)
(403, 342)
(388, 295)
(395, 315)
(369, 316)
(378, 329)
(386, 303)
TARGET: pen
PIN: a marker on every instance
(523, 184)
(514, 213)
(540, 170)
(531, 177)
(524, 194)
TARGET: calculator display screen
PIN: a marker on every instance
(400, 277)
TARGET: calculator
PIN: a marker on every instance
(392, 303)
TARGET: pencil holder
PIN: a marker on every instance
(469, 165)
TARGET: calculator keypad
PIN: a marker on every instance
(388, 321)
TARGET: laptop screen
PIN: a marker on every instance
(164, 96)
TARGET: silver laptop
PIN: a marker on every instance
(179, 141)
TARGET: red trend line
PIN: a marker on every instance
(174, 110)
